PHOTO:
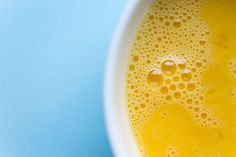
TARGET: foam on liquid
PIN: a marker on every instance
(174, 91)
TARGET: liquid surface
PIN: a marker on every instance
(181, 80)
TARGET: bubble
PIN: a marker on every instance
(168, 81)
(143, 105)
(131, 67)
(161, 19)
(176, 79)
(148, 61)
(151, 17)
(191, 86)
(177, 23)
(196, 102)
(135, 58)
(196, 109)
(164, 90)
(168, 97)
(172, 87)
(203, 115)
(201, 98)
(182, 66)
(167, 23)
(189, 101)
(171, 17)
(194, 69)
(186, 75)
(202, 42)
(199, 64)
(155, 78)
(181, 86)
(168, 67)
(138, 37)
(177, 95)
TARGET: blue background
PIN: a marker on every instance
(52, 57)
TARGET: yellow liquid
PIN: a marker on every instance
(181, 80)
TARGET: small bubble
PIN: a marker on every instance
(168, 97)
(135, 58)
(151, 17)
(194, 69)
(131, 67)
(181, 86)
(202, 42)
(186, 75)
(204, 115)
(196, 102)
(136, 108)
(148, 61)
(191, 86)
(182, 66)
(177, 23)
(189, 101)
(164, 90)
(146, 95)
(167, 23)
(199, 64)
(168, 67)
(143, 105)
(161, 19)
(171, 17)
(177, 95)
(172, 87)
(196, 109)
(176, 79)
(155, 78)
(168, 81)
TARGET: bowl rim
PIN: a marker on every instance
(115, 139)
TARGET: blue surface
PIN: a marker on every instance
(52, 57)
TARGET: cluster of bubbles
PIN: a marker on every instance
(167, 57)
(176, 84)
(232, 68)
(172, 152)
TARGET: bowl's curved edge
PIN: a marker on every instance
(122, 32)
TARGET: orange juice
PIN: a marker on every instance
(181, 80)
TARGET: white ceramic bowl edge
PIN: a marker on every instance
(116, 118)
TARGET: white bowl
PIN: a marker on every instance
(118, 128)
